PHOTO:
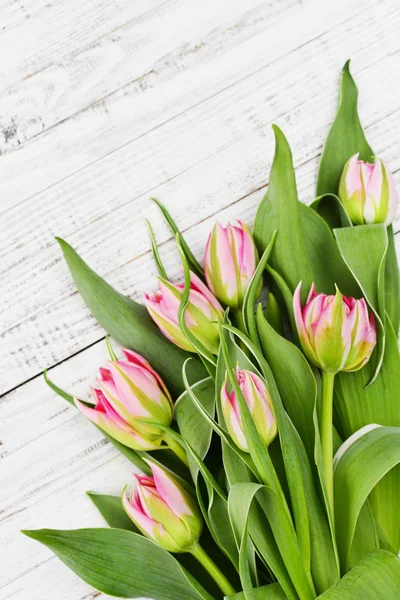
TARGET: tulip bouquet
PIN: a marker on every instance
(265, 435)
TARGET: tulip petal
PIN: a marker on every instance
(197, 285)
(139, 360)
(117, 428)
(147, 526)
(170, 491)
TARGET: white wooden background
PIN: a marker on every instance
(102, 105)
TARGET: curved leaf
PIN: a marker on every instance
(376, 576)
(364, 250)
(193, 262)
(375, 446)
(345, 138)
(250, 297)
(240, 499)
(357, 405)
(156, 255)
(121, 563)
(392, 282)
(329, 207)
(193, 426)
(266, 592)
(129, 323)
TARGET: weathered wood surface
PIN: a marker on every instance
(102, 105)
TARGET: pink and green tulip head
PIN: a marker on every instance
(367, 192)
(201, 316)
(230, 261)
(336, 333)
(163, 510)
(257, 398)
(130, 394)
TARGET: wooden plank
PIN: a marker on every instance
(138, 108)
(145, 52)
(37, 328)
(36, 34)
(196, 133)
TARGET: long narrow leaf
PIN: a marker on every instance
(156, 254)
(193, 262)
(345, 138)
(129, 323)
(250, 297)
(310, 520)
(392, 282)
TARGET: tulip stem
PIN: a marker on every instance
(210, 566)
(328, 380)
(239, 320)
(176, 448)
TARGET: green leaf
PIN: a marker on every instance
(311, 524)
(251, 293)
(129, 323)
(198, 403)
(193, 426)
(332, 211)
(203, 352)
(364, 250)
(156, 255)
(266, 592)
(329, 268)
(273, 313)
(345, 138)
(298, 391)
(240, 499)
(121, 563)
(280, 210)
(376, 576)
(357, 405)
(304, 239)
(193, 262)
(375, 446)
(110, 508)
(392, 282)
(237, 471)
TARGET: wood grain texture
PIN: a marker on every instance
(103, 105)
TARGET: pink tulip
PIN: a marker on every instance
(336, 333)
(230, 261)
(257, 398)
(163, 511)
(130, 390)
(201, 315)
(367, 192)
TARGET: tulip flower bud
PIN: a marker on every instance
(336, 333)
(129, 390)
(367, 192)
(230, 261)
(163, 510)
(201, 315)
(256, 395)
